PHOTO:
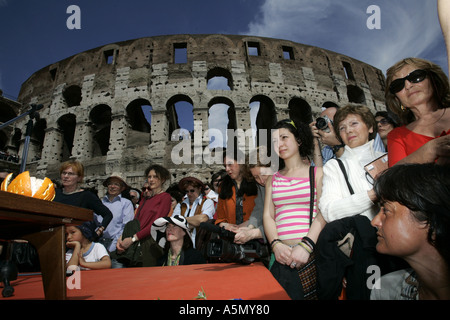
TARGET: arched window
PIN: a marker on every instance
(100, 118)
(219, 79)
(355, 94)
(300, 110)
(181, 117)
(66, 124)
(6, 113)
(72, 96)
(263, 118)
(222, 116)
(38, 136)
(139, 117)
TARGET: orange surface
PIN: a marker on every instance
(218, 281)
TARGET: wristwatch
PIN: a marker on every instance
(134, 239)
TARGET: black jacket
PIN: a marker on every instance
(333, 265)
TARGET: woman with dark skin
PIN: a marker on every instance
(414, 224)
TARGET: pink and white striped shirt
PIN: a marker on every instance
(291, 197)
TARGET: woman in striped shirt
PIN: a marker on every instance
(287, 221)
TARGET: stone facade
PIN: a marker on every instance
(93, 100)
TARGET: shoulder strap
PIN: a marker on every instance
(312, 183)
(138, 210)
(345, 175)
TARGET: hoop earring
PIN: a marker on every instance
(403, 108)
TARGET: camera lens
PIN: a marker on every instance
(321, 124)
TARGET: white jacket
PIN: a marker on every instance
(336, 201)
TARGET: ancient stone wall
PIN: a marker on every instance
(93, 101)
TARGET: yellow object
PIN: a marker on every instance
(29, 186)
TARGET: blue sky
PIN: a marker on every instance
(34, 34)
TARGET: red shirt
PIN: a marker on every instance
(151, 209)
(402, 142)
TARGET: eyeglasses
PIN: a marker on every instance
(383, 122)
(190, 191)
(70, 174)
(145, 188)
(414, 77)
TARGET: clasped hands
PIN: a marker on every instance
(123, 245)
(295, 256)
(243, 234)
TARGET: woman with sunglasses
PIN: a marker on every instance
(385, 124)
(196, 207)
(417, 91)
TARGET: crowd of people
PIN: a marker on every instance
(6, 156)
(323, 214)
(320, 208)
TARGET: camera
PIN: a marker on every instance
(223, 248)
(322, 123)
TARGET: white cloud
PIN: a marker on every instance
(218, 83)
(408, 28)
(218, 121)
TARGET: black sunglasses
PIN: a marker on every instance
(383, 122)
(414, 77)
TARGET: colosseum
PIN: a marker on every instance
(119, 107)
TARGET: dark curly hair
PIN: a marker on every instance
(161, 172)
(425, 190)
(302, 133)
(248, 184)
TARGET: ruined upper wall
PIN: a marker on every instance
(216, 50)
(92, 99)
